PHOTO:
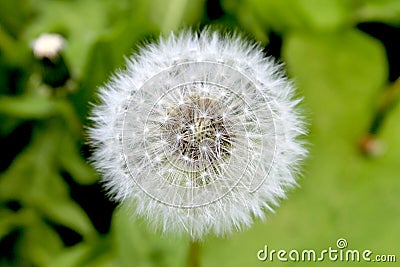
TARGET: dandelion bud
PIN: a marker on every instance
(47, 49)
(48, 45)
(199, 133)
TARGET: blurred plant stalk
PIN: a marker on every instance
(194, 254)
(370, 145)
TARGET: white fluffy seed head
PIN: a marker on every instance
(48, 45)
(200, 134)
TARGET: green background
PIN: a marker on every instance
(341, 72)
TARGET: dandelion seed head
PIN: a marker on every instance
(208, 139)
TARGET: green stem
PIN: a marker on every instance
(388, 100)
(369, 144)
(193, 255)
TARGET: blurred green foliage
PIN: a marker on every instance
(340, 70)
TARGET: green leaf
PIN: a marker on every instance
(33, 105)
(15, 15)
(96, 252)
(73, 163)
(170, 15)
(70, 256)
(247, 19)
(98, 69)
(8, 124)
(304, 15)
(325, 15)
(34, 180)
(378, 10)
(41, 243)
(348, 66)
(28, 106)
(278, 15)
(9, 221)
(14, 52)
(36, 243)
(58, 207)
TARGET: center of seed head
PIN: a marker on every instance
(197, 133)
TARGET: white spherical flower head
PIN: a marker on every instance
(200, 133)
